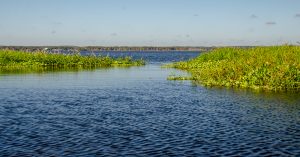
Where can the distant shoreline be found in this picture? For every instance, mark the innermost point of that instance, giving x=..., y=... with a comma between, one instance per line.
x=112, y=48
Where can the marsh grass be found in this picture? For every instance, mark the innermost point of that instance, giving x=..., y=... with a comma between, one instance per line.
x=173, y=77
x=17, y=60
x=275, y=68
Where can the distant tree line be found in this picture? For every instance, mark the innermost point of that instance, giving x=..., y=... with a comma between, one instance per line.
x=101, y=48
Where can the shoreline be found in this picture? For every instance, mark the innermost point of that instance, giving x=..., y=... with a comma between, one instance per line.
x=274, y=68
x=117, y=48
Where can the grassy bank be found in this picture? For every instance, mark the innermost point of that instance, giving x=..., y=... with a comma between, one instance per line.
x=274, y=68
x=10, y=60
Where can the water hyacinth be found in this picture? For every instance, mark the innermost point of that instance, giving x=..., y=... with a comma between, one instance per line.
x=275, y=68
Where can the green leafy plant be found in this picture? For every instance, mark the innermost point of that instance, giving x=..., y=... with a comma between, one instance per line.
x=14, y=60
x=275, y=68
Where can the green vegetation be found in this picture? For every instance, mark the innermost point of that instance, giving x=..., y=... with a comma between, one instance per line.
x=172, y=77
x=17, y=60
x=275, y=68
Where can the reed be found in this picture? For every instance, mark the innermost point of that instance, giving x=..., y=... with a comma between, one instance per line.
x=275, y=68
x=10, y=60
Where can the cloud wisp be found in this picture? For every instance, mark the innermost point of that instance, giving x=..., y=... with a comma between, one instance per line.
x=53, y=32
x=113, y=34
x=253, y=16
x=271, y=23
x=57, y=23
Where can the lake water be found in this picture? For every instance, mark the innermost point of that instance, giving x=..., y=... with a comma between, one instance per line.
x=137, y=111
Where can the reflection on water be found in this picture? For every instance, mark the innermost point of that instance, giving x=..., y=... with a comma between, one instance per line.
x=127, y=111
x=48, y=69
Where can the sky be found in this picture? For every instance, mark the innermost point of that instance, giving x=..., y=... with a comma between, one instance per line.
x=149, y=22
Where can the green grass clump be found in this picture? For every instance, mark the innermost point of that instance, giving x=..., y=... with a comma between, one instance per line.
x=182, y=78
x=275, y=68
x=14, y=60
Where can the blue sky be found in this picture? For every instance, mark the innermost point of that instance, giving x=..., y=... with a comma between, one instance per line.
x=149, y=22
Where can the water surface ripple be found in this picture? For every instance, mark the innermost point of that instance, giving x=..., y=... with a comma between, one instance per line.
x=137, y=112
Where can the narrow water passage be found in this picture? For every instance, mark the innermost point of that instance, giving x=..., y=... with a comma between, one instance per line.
x=129, y=111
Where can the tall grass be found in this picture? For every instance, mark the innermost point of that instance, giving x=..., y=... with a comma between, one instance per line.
x=18, y=60
x=275, y=68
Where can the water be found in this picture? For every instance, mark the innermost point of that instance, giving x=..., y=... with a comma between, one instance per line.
x=136, y=111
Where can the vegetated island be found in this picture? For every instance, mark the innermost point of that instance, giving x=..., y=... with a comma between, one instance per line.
x=274, y=68
x=16, y=60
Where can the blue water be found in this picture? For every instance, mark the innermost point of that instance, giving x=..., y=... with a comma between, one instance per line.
x=137, y=112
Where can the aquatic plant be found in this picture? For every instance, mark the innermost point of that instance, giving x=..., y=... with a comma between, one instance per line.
x=14, y=60
x=275, y=68
x=173, y=77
